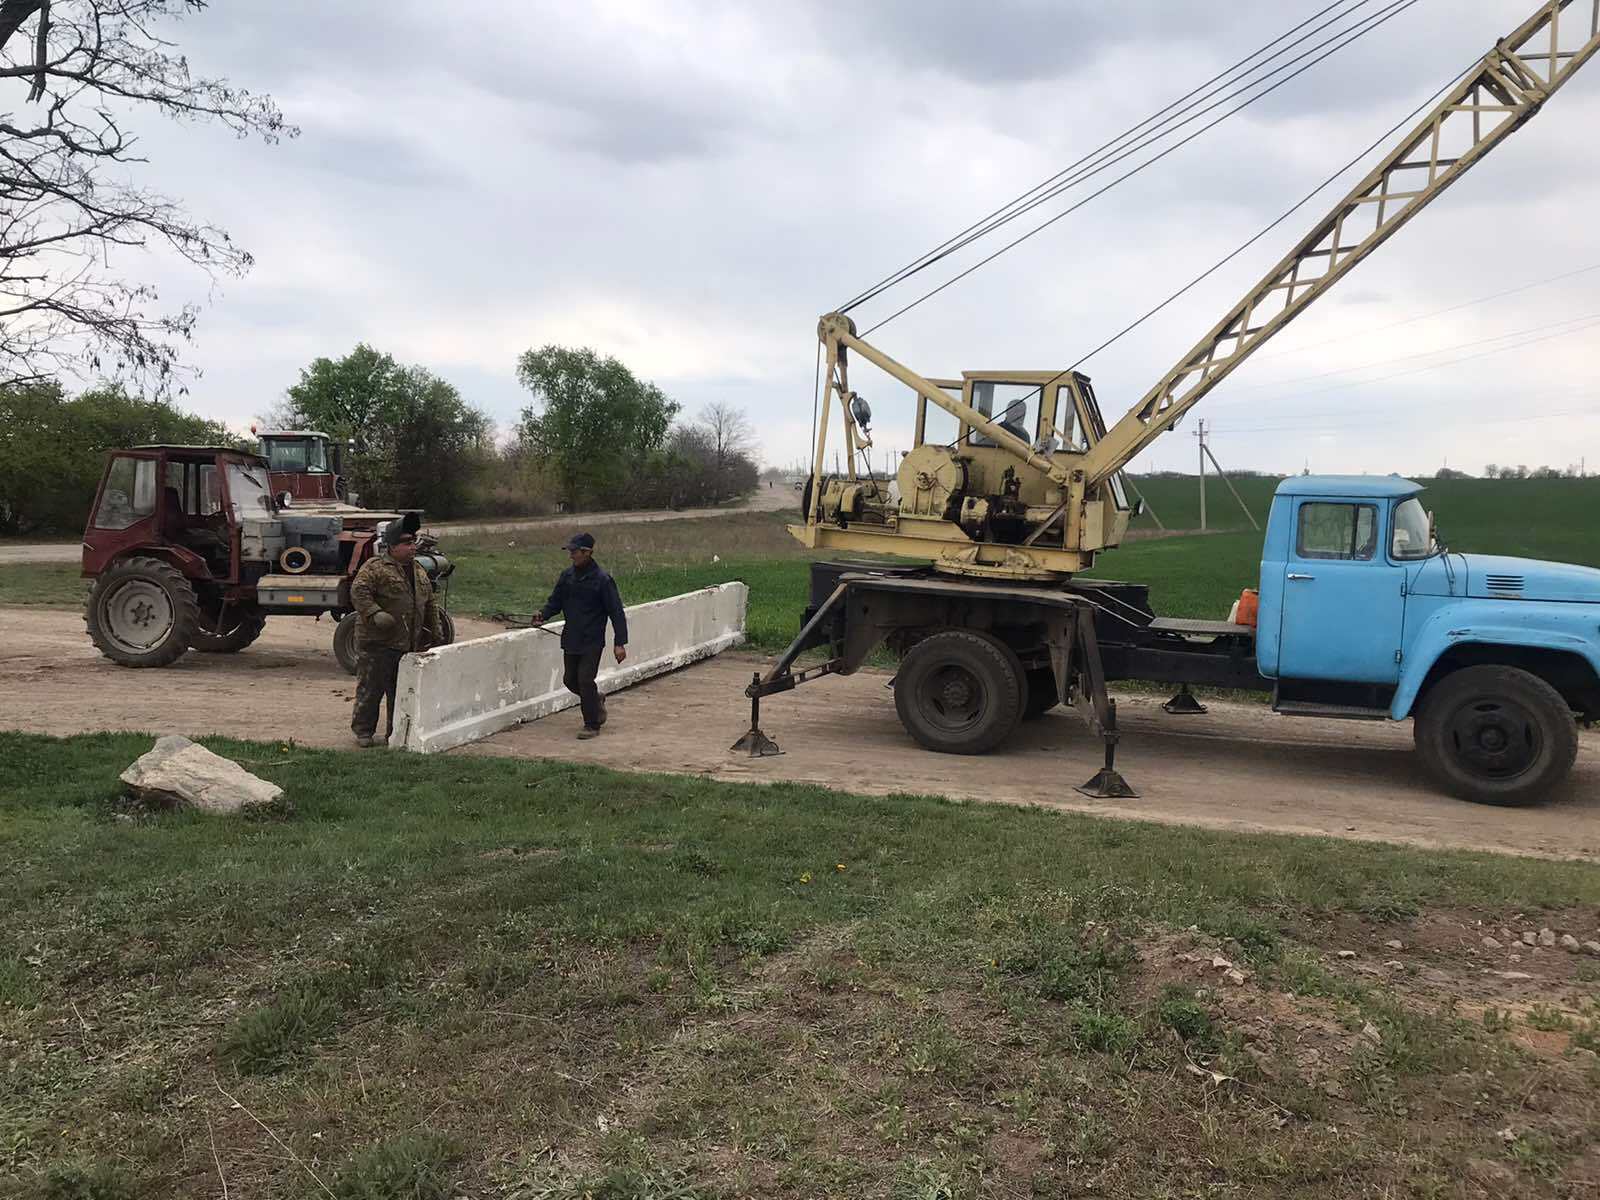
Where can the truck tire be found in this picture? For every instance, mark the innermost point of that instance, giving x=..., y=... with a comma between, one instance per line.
x=246, y=628
x=960, y=692
x=1042, y=693
x=344, y=643
x=1496, y=735
x=142, y=612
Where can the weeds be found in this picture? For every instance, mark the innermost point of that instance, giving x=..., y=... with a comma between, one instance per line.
x=410, y=1167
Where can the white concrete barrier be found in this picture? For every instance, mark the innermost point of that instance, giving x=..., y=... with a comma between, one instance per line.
x=457, y=694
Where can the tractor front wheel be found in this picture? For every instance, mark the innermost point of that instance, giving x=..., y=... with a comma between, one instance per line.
x=142, y=612
x=243, y=627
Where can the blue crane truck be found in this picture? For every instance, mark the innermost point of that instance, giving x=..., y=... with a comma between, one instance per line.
x=1363, y=614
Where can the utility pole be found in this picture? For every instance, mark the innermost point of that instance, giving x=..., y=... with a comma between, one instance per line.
x=1205, y=453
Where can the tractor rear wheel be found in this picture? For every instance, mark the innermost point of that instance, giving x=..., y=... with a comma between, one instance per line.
x=960, y=692
x=345, y=648
x=447, y=626
x=243, y=627
x=142, y=612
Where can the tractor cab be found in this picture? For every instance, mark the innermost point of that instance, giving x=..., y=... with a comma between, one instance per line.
x=306, y=464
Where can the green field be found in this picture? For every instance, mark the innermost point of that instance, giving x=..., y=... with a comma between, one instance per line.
x=1189, y=576
x=1538, y=518
x=471, y=977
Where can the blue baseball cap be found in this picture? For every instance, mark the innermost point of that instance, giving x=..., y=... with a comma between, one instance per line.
x=580, y=541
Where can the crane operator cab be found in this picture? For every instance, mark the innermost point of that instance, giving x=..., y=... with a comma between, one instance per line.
x=991, y=498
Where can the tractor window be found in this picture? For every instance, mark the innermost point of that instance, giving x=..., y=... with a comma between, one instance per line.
x=180, y=479
x=297, y=455
x=210, y=490
x=1014, y=406
x=1343, y=531
x=249, y=492
x=129, y=495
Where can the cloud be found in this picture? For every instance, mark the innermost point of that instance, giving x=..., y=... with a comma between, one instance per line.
x=687, y=184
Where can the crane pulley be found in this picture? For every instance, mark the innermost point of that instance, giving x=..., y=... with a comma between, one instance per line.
x=1033, y=490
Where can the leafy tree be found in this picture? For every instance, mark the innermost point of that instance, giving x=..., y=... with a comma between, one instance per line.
x=52, y=449
x=69, y=175
x=418, y=444
x=592, y=421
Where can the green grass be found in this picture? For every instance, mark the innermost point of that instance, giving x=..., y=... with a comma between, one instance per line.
x=451, y=976
x=49, y=585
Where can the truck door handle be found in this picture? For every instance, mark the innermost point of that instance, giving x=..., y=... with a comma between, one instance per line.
x=1296, y=575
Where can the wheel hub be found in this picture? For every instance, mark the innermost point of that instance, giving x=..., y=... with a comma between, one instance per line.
x=139, y=615
x=1495, y=738
x=954, y=697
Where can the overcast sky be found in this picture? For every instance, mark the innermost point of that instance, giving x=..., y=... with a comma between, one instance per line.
x=688, y=186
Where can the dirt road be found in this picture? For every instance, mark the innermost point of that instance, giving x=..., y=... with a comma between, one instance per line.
x=764, y=499
x=1238, y=767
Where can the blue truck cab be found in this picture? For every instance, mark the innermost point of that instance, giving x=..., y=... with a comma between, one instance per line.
x=1365, y=613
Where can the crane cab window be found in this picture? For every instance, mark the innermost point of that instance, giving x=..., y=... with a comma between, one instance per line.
x=1337, y=531
x=1013, y=406
x=935, y=426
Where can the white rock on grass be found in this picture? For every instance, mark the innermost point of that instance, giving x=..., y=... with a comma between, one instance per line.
x=1592, y=948
x=1547, y=937
x=1490, y=943
x=1570, y=943
x=177, y=771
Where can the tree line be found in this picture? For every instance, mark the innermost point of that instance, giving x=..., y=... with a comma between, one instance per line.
x=594, y=436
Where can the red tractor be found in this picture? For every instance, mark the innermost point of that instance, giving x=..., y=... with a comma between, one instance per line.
x=307, y=464
x=188, y=548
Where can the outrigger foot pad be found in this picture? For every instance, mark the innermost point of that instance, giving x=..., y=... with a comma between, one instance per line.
x=1183, y=704
x=1108, y=784
x=757, y=744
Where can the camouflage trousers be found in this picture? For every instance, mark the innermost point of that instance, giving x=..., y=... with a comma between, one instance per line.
x=375, y=684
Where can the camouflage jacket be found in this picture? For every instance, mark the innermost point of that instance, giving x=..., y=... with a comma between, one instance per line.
x=380, y=585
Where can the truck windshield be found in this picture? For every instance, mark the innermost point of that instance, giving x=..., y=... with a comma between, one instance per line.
x=1411, y=529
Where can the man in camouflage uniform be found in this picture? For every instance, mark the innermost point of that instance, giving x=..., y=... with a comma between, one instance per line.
x=396, y=613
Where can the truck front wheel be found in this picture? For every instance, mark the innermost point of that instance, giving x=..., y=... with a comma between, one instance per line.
x=1496, y=735
x=960, y=692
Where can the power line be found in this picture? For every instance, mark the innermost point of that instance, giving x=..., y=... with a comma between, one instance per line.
x=1438, y=312
x=1396, y=8
x=1450, y=363
x=1545, y=327
x=1163, y=116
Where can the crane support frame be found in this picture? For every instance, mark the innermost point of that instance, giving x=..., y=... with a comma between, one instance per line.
x=1491, y=101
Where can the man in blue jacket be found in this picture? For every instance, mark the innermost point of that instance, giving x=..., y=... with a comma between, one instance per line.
x=589, y=598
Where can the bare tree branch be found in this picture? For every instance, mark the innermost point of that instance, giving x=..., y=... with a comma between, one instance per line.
x=67, y=202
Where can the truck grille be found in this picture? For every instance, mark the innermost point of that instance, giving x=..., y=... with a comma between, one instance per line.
x=1503, y=583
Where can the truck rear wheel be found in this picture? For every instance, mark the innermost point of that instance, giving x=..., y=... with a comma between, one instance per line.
x=960, y=692
x=244, y=627
x=1496, y=735
x=142, y=612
